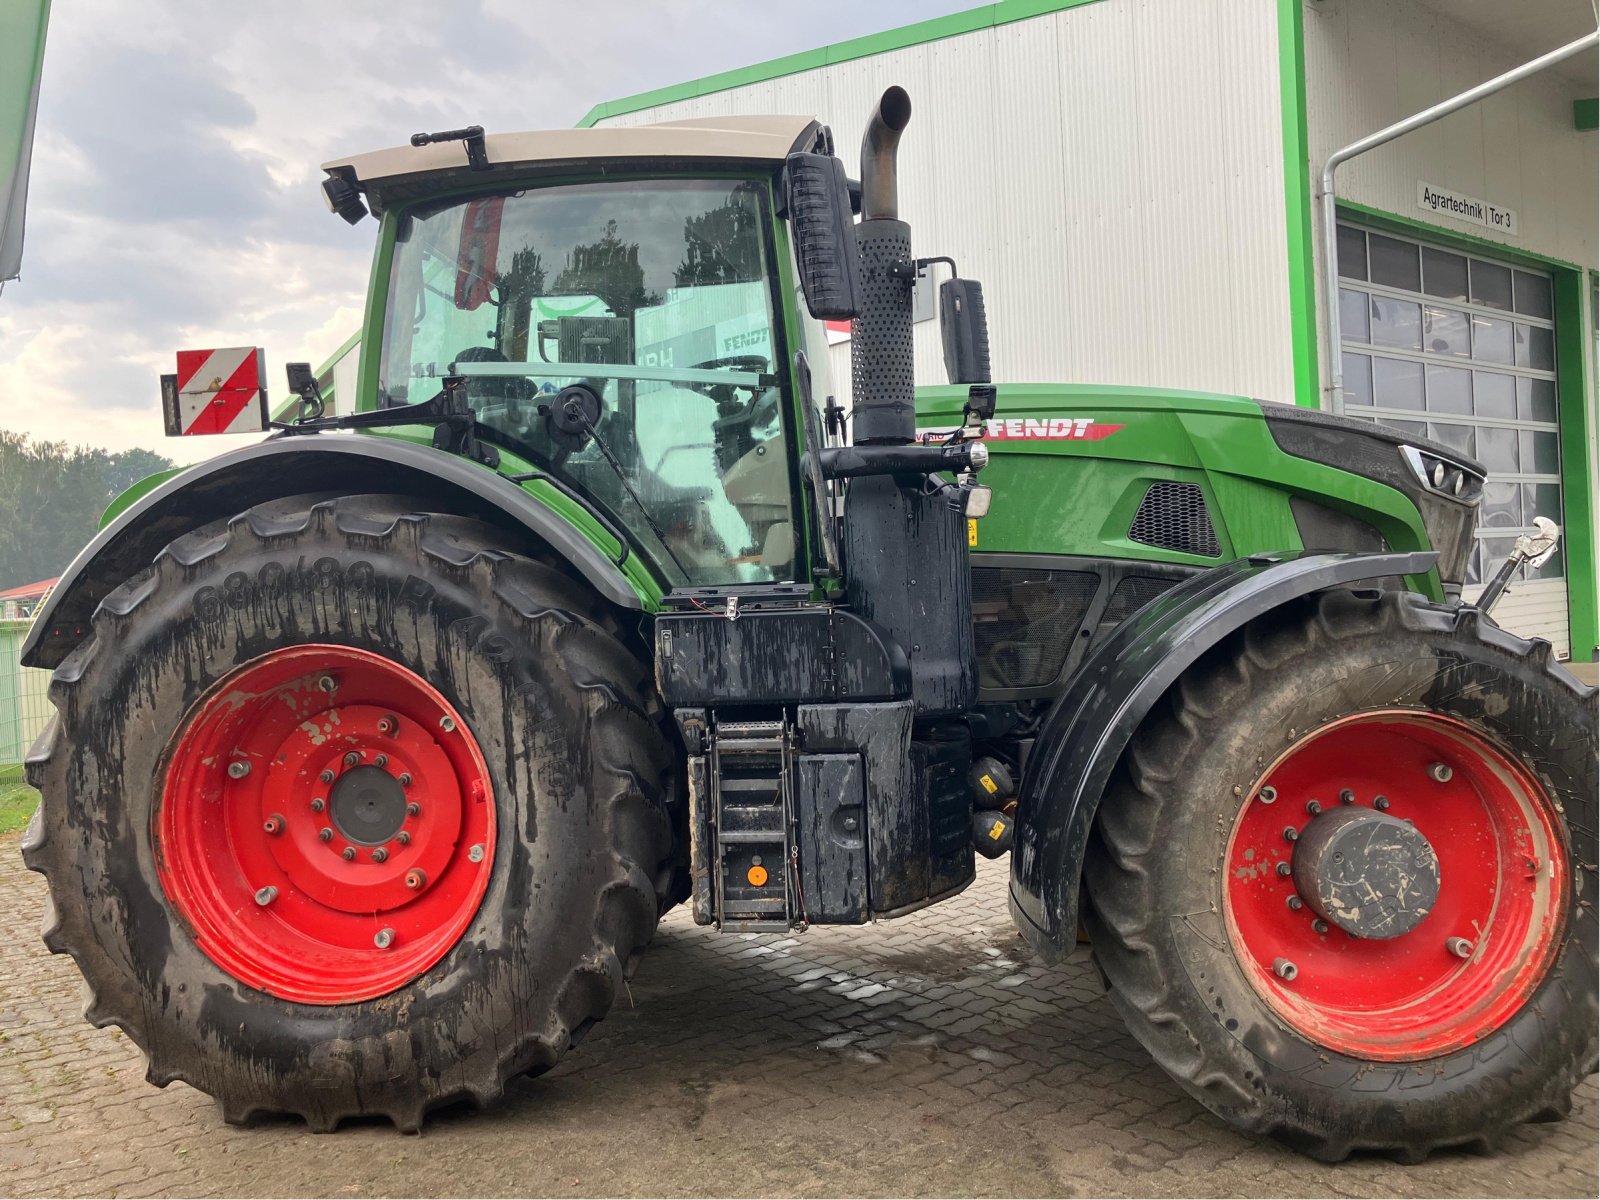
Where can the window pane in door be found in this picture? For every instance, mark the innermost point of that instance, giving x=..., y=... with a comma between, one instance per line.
x=1449, y=390
x=1397, y=383
x=1444, y=331
x=1491, y=340
x=1541, y=500
x=1491, y=284
x=1536, y=399
x=1394, y=263
x=1357, y=379
x=1493, y=395
x=1501, y=507
x=1497, y=449
x=1444, y=274
x=1352, y=253
x=1354, y=320
x=1533, y=295
x=1457, y=437
x=1541, y=452
x=1536, y=347
x=1397, y=323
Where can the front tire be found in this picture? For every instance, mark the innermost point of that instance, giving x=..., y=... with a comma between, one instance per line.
x=1355, y=739
x=349, y=811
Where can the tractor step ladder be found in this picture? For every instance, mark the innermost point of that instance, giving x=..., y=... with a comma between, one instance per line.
x=752, y=768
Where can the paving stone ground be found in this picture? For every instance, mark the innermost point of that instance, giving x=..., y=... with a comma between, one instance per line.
x=920, y=1056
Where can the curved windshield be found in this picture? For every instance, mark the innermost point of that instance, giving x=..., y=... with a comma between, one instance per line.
x=656, y=296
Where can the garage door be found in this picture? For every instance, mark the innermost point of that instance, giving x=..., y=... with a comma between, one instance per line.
x=1461, y=349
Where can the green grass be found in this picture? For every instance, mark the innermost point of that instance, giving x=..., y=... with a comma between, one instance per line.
x=17, y=799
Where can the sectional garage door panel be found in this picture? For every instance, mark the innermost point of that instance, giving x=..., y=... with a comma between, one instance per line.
x=1461, y=349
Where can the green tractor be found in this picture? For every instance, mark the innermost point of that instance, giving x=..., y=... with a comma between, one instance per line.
x=383, y=744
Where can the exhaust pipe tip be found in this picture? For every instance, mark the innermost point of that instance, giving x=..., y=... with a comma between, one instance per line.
x=879, y=186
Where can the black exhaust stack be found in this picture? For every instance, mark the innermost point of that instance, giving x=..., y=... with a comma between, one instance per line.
x=881, y=347
x=906, y=550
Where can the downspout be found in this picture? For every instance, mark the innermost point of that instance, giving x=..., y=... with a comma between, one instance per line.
x=1329, y=200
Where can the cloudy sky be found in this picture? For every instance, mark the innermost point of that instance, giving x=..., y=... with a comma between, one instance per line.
x=174, y=199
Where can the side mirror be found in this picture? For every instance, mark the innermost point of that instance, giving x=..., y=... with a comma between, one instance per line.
x=817, y=197
x=964, y=328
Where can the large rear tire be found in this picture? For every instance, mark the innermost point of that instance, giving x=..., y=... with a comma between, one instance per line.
x=349, y=811
x=1359, y=740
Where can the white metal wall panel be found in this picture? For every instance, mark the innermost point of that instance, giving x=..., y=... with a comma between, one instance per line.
x=1113, y=173
x=1372, y=62
x=1533, y=609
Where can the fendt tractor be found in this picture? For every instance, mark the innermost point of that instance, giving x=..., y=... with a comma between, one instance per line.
x=382, y=744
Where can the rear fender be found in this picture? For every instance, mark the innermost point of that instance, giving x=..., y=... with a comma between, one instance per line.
x=280, y=467
x=1085, y=733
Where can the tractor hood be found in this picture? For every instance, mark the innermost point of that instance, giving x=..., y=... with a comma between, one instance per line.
x=388, y=176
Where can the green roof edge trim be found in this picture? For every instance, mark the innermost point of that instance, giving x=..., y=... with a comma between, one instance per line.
x=1297, y=206
x=934, y=29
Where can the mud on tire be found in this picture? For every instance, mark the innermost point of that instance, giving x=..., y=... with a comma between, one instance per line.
x=1156, y=898
x=583, y=787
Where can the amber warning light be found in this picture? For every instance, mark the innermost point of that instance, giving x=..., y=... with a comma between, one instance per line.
x=216, y=391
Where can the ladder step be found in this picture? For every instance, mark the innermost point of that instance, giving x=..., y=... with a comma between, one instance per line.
x=749, y=745
x=764, y=786
x=735, y=925
x=760, y=837
x=757, y=904
x=772, y=729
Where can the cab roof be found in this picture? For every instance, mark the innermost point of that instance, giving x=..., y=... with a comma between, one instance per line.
x=406, y=171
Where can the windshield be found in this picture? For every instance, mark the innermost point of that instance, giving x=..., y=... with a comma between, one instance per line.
x=654, y=294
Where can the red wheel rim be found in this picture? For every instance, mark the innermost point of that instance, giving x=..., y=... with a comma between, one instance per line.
x=1502, y=874
x=326, y=827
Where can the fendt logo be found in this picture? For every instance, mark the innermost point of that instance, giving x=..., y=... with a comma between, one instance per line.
x=1029, y=429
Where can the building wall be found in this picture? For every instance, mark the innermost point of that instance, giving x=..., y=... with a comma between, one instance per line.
x=1370, y=63
x=1113, y=174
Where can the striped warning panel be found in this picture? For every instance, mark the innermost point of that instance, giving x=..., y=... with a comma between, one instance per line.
x=216, y=391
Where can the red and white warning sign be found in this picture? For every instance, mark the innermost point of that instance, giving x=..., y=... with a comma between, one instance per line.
x=216, y=391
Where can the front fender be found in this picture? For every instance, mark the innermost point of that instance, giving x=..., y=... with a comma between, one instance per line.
x=1085, y=733
x=294, y=466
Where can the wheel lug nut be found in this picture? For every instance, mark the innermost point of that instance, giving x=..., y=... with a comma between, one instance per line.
x=266, y=895
x=317, y=804
x=446, y=724
x=1267, y=795
x=381, y=761
x=1285, y=869
x=1440, y=773
x=1296, y=904
x=416, y=880
x=1347, y=797
x=1284, y=969
x=1290, y=833
x=380, y=855
x=475, y=854
x=1313, y=807
x=405, y=781
x=352, y=759
x=1459, y=946
x=328, y=684
x=1319, y=926
x=348, y=854
x=273, y=824
x=325, y=834
x=387, y=726
x=326, y=777
x=413, y=809
x=383, y=939
x=238, y=769
x=403, y=838
x=1381, y=803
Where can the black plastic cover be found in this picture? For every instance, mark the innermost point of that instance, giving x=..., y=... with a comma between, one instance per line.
x=817, y=200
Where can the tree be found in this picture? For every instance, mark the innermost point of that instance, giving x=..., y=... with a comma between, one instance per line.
x=608, y=268
x=722, y=245
x=52, y=496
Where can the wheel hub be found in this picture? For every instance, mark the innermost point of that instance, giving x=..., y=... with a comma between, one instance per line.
x=368, y=805
x=327, y=824
x=1372, y=875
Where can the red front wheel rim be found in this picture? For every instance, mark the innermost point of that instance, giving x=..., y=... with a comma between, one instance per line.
x=326, y=827
x=1487, y=936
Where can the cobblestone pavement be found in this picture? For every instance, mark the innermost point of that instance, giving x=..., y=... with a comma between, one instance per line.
x=920, y=1056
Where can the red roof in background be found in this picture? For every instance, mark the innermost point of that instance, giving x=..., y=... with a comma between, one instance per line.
x=29, y=591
